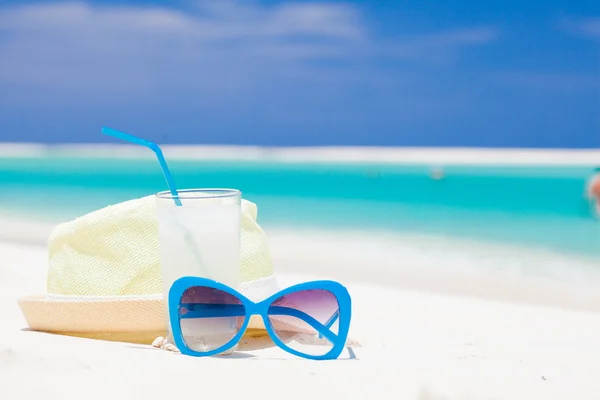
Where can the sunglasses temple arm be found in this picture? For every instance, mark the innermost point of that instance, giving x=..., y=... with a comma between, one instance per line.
x=292, y=312
x=331, y=321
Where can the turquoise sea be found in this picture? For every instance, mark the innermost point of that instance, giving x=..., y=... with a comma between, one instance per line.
x=535, y=206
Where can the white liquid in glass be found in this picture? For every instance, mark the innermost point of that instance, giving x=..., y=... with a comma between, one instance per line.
x=200, y=238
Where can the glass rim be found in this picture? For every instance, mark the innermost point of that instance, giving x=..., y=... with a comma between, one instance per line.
x=200, y=193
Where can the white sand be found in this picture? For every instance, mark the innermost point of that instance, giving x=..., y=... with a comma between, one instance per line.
x=417, y=346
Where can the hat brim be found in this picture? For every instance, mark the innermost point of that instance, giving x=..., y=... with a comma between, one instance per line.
x=128, y=320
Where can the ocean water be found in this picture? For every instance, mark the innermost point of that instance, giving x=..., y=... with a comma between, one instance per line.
x=532, y=208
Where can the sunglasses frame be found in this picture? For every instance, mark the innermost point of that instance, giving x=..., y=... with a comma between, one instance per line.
x=261, y=308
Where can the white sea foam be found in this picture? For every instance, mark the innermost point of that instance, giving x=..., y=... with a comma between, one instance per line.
x=459, y=266
x=406, y=155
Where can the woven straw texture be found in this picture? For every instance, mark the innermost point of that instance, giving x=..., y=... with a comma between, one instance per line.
x=114, y=251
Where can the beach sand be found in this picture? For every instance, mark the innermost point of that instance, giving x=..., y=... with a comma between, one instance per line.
x=423, y=337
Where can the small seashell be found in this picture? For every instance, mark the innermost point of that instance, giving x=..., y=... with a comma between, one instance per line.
x=158, y=342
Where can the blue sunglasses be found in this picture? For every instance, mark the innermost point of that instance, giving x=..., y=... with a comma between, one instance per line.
x=310, y=320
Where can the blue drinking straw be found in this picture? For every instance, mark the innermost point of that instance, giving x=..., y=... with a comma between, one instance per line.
x=163, y=165
x=152, y=146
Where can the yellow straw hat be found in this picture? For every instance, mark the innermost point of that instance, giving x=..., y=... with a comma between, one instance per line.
x=104, y=278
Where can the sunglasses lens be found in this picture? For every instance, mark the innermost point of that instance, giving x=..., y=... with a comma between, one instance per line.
x=306, y=321
x=209, y=318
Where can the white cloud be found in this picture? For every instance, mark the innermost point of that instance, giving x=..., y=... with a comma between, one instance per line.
x=209, y=23
x=216, y=50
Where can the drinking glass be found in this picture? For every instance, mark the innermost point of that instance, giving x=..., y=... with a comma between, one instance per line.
x=200, y=237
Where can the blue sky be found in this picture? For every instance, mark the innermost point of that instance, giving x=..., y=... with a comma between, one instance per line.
x=385, y=73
